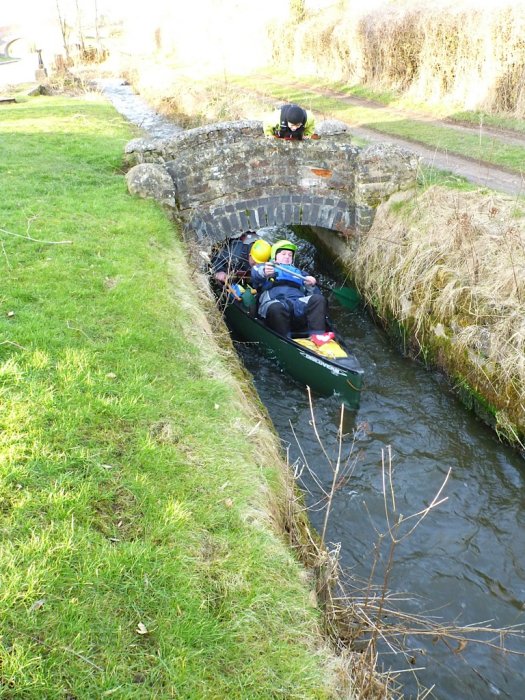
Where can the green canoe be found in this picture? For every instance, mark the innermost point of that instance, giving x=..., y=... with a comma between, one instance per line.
x=328, y=369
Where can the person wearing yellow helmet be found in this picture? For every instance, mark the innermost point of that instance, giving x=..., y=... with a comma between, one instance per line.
x=289, y=298
x=260, y=251
x=234, y=258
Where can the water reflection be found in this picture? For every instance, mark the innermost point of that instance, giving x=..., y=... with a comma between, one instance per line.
x=465, y=563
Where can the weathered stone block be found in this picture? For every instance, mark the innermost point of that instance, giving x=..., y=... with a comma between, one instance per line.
x=151, y=180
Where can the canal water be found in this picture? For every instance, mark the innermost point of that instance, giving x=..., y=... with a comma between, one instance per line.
x=464, y=563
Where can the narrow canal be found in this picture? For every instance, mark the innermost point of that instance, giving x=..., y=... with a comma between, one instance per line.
x=464, y=564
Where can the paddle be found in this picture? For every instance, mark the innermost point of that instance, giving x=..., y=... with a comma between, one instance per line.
x=347, y=296
x=285, y=269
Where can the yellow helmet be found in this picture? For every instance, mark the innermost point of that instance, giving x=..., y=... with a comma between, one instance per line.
x=260, y=251
x=282, y=245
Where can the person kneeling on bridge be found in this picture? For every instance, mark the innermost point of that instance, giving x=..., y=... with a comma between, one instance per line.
x=290, y=122
x=288, y=296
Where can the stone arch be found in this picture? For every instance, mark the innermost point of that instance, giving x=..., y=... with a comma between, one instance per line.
x=18, y=42
x=226, y=178
x=291, y=209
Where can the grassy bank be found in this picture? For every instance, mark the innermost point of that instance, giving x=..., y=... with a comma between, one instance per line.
x=445, y=269
x=142, y=496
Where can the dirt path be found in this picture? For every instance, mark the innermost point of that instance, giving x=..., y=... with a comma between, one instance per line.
x=472, y=169
x=475, y=171
x=504, y=135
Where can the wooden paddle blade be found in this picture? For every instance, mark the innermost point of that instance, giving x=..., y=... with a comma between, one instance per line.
x=347, y=296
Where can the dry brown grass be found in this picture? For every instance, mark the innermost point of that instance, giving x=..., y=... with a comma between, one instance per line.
x=468, y=54
x=451, y=265
x=192, y=102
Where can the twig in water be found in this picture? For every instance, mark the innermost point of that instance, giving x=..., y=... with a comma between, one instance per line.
x=11, y=342
x=335, y=477
x=366, y=619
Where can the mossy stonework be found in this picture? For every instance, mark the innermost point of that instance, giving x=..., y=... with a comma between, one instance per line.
x=444, y=274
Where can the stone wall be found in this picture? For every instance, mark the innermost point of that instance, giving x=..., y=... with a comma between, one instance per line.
x=225, y=178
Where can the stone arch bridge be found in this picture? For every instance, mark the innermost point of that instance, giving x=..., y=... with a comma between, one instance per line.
x=223, y=179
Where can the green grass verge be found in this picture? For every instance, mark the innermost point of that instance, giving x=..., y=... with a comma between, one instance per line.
x=480, y=119
x=396, y=100
x=137, y=556
x=485, y=146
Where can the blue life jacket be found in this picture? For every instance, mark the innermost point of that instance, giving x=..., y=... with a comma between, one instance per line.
x=284, y=276
x=282, y=287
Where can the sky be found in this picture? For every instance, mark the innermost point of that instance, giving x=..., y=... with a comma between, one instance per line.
x=203, y=31
x=34, y=15
x=14, y=11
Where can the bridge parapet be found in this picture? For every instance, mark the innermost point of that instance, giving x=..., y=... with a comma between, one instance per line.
x=228, y=177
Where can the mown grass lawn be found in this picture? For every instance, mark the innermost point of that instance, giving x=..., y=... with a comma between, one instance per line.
x=138, y=557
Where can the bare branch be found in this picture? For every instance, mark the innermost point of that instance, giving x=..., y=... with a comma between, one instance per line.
x=362, y=618
x=10, y=342
x=27, y=237
x=5, y=255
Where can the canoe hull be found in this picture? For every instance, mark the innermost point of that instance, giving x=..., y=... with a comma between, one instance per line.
x=341, y=376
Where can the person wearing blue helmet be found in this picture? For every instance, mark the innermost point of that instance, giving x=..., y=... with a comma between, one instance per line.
x=289, y=298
